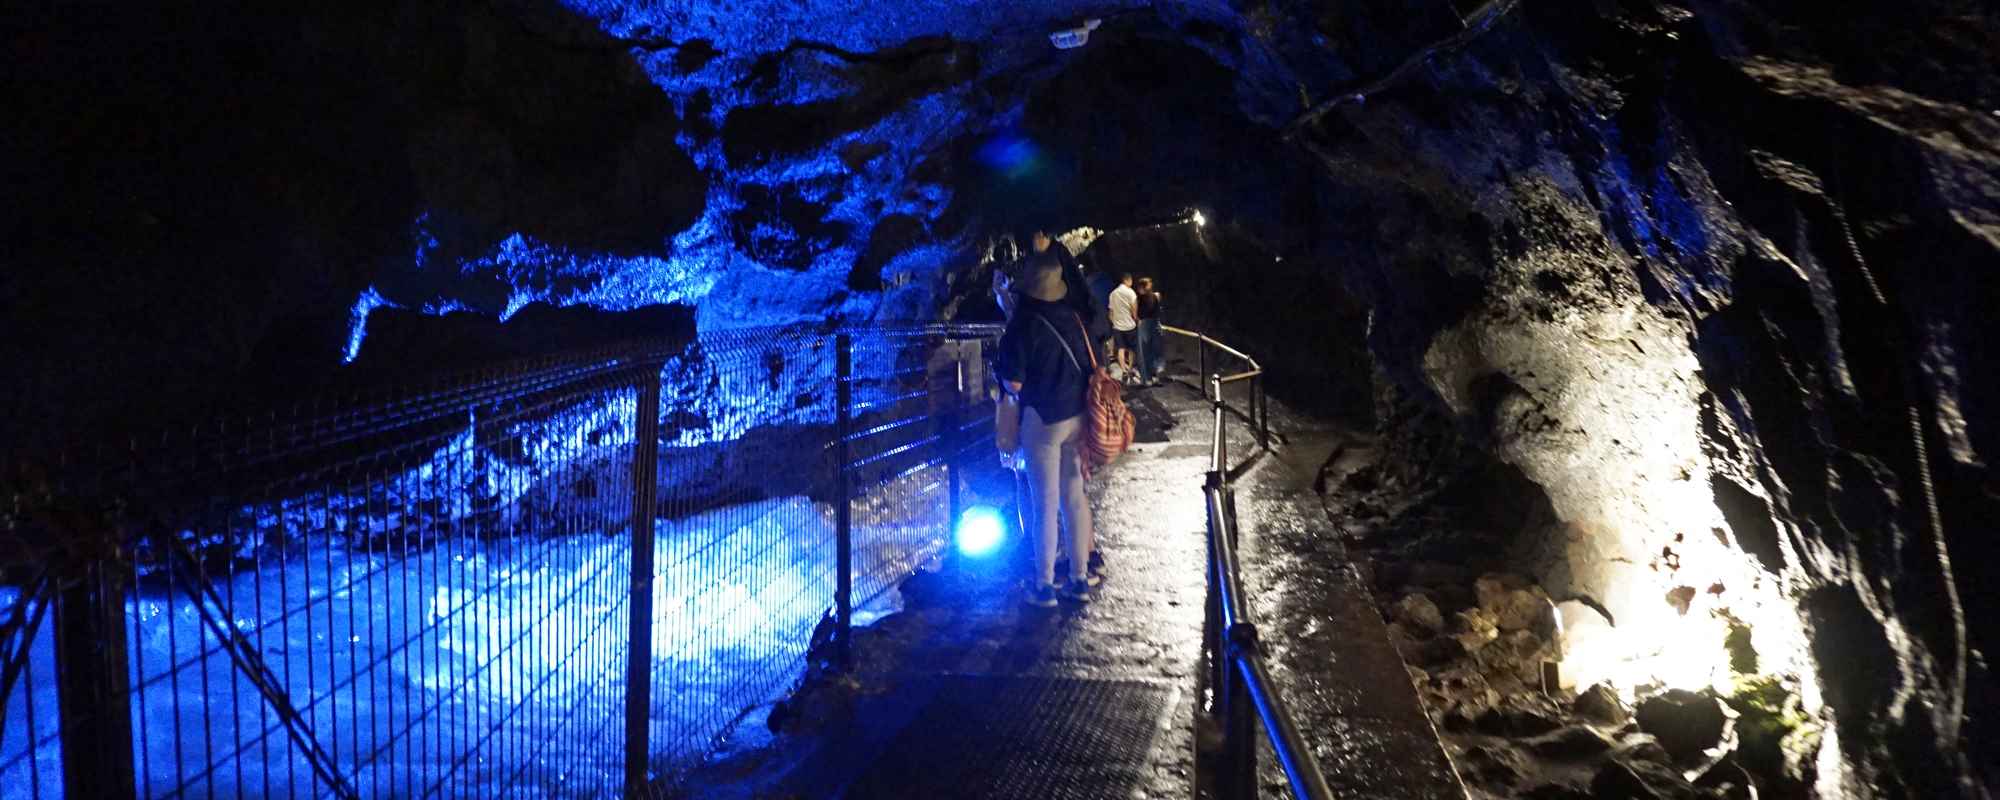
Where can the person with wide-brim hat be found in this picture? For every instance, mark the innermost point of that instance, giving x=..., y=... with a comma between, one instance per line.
x=1044, y=364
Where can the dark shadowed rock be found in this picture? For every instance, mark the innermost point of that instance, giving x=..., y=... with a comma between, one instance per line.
x=1574, y=743
x=1555, y=791
x=1419, y=613
x=1642, y=747
x=1495, y=765
x=1727, y=781
x=1686, y=723
x=1519, y=715
x=1618, y=780
x=1439, y=651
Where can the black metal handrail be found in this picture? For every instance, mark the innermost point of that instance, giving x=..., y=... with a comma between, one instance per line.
x=1235, y=653
x=1257, y=415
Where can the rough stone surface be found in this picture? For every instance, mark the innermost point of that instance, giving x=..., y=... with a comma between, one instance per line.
x=1638, y=780
x=1685, y=723
x=1570, y=744
x=1514, y=603
x=1417, y=611
x=1476, y=627
x=1696, y=294
x=1600, y=704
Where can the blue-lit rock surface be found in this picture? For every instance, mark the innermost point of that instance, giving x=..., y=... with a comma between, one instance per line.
x=1709, y=283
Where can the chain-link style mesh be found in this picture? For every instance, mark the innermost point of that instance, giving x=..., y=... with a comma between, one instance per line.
x=433, y=593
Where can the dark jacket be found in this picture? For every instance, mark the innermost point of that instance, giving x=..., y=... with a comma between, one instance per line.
x=1079, y=289
x=1149, y=305
x=1053, y=379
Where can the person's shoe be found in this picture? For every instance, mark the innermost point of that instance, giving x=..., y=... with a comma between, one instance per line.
x=1043, y=596
x=1077, y=591
x=1096, y=567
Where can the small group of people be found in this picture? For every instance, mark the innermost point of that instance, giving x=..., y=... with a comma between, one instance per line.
x=1060, y=329
x=1133, y=311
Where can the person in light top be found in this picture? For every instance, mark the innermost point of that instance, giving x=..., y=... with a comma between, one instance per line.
x=1122, y=309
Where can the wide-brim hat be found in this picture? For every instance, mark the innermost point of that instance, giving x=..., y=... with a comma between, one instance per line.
x=1044, y=280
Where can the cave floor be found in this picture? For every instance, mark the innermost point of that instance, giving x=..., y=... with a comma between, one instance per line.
x=1137, y=649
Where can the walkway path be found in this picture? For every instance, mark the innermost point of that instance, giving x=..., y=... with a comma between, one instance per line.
x=970, y=690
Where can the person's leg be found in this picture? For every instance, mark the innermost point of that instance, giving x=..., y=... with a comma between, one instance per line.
x=1159, y=350
x=1145, y=353
x=1044, y=449
x=1076, y=502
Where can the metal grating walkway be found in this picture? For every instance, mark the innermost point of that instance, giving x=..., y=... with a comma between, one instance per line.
x=1002, y=738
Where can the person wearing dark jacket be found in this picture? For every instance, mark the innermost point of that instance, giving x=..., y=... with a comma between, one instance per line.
x=1045, y=362
x=1152, y=349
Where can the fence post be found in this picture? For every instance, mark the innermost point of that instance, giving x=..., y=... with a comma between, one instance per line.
x=1260, y=413
x=1239, y=727
x=1213, y=642
x=94, y=693
x=639, y=664
x=1222, y=425
x=948, y=437
x=1264, y=412
x=1201, y=347
x=843, y=506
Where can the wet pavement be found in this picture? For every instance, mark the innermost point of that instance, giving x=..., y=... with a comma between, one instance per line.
x=1330, y=650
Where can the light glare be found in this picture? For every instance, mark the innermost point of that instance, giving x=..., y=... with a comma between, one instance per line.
x=979, y=531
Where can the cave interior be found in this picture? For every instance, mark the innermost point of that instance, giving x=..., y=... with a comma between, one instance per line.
x=1674, y=315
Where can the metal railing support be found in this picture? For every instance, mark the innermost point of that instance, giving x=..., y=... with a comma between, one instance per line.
x=1213, y=622
x=947, y=440
x=1241, y=683
x=1201, y=345
x=1308, y=783
x=93, y=688
x=843, y=505
x=1221, y=425
x=639, y=647
x=1260, y=420
x=1238, y=780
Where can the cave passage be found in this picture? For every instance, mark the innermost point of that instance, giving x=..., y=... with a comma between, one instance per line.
x=577, y=398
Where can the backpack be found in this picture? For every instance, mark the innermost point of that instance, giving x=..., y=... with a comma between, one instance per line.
x=1108, y=425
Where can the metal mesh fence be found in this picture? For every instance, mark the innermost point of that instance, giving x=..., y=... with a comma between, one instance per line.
x=439, y=593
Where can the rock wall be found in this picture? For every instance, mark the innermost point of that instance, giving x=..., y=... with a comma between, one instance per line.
x=1713, y=276
x=1707, y=276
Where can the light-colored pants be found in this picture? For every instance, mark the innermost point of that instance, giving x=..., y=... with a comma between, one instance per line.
x=1055, y=482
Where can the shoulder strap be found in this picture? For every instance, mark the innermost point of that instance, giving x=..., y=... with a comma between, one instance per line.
x=1065, y=343
x=1086, y=343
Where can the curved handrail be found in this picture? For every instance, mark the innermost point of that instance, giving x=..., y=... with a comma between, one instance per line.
x=1204, y=339
x=1232, y=643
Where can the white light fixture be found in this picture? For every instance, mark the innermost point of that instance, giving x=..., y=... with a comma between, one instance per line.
x=1198, y=219
x=1072, y=38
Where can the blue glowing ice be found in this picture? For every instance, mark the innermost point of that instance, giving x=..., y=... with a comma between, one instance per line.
x=357, y=321
x=512, y=651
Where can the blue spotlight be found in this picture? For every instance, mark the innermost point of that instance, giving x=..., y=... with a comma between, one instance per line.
x=980, y=531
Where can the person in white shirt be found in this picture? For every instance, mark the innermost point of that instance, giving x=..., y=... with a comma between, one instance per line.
x=1123, y=312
